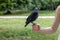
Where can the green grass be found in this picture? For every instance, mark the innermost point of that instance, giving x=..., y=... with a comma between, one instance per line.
x=41, y=13
x=13, y=29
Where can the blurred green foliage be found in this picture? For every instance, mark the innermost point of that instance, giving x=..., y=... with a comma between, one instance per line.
x=28, y=4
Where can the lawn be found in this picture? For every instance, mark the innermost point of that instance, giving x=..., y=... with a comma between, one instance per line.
x=41, y=13
x=13, y=29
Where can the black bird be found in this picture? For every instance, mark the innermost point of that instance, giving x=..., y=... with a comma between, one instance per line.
x=32, y=17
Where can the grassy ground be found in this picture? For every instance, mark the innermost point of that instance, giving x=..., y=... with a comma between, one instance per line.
x=41, y=13
x=13, y=29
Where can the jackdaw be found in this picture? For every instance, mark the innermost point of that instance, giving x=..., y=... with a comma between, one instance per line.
x=32, y=17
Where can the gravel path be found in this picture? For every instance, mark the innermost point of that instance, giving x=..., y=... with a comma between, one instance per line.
x=26, y=17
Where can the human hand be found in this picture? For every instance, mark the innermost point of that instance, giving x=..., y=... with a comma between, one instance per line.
x=35, y=28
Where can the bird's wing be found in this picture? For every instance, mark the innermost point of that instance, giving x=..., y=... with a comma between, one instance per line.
x=30, y=16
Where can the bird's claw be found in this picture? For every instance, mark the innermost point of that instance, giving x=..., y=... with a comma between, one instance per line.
x=33, y=23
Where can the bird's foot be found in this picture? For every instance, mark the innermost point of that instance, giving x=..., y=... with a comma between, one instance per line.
x=33, y=23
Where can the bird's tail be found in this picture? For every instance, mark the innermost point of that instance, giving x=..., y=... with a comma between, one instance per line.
x=26, y=23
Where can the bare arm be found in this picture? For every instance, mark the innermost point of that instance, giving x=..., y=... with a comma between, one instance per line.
x=54, y=25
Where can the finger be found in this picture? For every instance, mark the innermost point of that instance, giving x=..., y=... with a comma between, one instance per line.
x=33, y=24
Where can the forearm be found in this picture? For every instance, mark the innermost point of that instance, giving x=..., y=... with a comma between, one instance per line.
x=51, y=29
x=47, y=30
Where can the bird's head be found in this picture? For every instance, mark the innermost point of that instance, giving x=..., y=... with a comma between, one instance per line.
x=36, y=9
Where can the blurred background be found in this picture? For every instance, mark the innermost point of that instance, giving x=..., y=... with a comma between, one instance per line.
x=13, y=28
x=23, y=6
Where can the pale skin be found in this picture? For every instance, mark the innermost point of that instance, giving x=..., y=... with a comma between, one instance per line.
x=54, y=26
